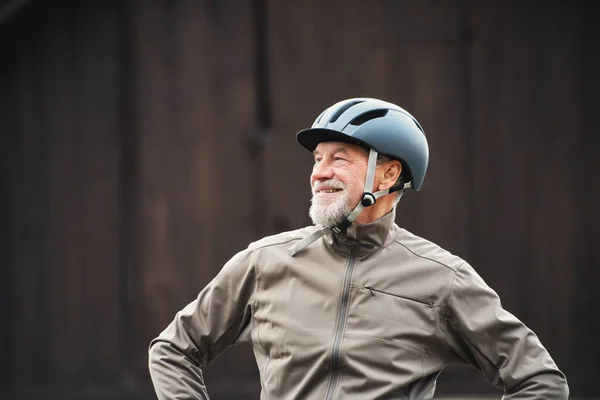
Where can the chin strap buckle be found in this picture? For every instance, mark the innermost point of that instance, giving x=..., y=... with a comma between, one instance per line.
x=342, y=226
x=368, y=199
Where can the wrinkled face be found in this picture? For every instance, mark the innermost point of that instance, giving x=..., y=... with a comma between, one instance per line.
x=337, y=181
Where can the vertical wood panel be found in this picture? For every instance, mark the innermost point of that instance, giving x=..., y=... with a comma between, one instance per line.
x=191, y=153
x=7, y=126
x=63, y=311
x=32, y=332
x=503, y=155
x=128, y=187
x=195, y=108
x=154, y=273
x=234, y=173
x=526, y=105
x=558, y=117
x=26, y=215
x=235, y=116
x=583, y=266
x=60, y=205
x=96, y=119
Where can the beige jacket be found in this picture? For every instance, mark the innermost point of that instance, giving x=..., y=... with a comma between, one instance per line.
x=373, y=313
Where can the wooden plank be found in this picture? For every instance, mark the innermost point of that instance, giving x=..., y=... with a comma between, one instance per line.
x=7, y=139
x=501, y=123
x=95, y=42
x=60, y=193
x=63, y=309
x=128, y=187
x=235, y=121
x=191, y=150
x=195, y=106
x=582, y=266
x=154, y=276
x=557, y=116
x=22, y=262
x=512, y=150
x=28, y=193
x=528, y=142
x=226, y=189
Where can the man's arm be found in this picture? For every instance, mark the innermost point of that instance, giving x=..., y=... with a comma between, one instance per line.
x=201, y=331
x=496, y=342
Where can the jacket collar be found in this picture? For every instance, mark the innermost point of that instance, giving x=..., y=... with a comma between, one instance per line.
x=371, y=237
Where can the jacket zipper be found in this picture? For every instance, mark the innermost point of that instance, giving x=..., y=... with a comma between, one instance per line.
x=341, y=321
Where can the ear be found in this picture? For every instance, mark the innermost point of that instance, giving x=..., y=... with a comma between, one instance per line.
x=391, y=171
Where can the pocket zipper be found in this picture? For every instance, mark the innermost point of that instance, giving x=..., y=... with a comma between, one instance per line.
x=374, y=291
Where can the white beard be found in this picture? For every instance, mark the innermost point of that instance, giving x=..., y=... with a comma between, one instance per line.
x=327, y=212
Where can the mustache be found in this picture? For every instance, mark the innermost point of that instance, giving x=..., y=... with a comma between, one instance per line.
x=330, y=183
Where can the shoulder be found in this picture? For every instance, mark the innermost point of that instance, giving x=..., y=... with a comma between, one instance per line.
x=419, y=247
x=272, y=246
x=284, y=239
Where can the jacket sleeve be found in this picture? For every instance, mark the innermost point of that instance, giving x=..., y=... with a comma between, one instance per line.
x=217, y=319
x=491, y=339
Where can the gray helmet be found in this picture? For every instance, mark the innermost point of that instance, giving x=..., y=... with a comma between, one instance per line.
x=375, y=124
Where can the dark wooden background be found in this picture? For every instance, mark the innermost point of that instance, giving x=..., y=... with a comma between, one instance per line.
x=143, y=143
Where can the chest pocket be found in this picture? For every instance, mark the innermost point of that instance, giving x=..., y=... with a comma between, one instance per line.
x=392, y=319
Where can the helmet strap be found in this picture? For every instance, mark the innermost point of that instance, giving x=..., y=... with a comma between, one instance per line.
x=401, y=186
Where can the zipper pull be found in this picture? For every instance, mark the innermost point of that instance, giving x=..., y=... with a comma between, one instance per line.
x=370, y=289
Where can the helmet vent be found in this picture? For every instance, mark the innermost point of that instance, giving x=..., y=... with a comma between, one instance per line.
x=367, y=116
x=320, y=116
x=343, y=108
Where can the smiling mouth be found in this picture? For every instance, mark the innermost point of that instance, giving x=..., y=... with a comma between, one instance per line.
x=329, y=191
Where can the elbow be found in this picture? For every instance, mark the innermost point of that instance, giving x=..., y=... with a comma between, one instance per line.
x=163, y=352
x=153, y=346
x=158, y=352
x=154, y=354
x=548, y=386
x=557, y=387
x=562, y=388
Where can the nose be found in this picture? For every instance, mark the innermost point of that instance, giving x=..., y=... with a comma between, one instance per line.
x=321, y=171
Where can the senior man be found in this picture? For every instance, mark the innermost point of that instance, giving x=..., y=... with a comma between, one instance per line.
x=354, y=307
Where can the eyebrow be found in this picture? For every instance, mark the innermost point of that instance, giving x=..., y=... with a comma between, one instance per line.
x=341, y=149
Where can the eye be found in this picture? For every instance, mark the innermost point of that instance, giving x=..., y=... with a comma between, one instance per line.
x=318, y=159
x=338, y=158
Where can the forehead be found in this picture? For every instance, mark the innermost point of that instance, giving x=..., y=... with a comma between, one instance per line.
x=334, y=147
